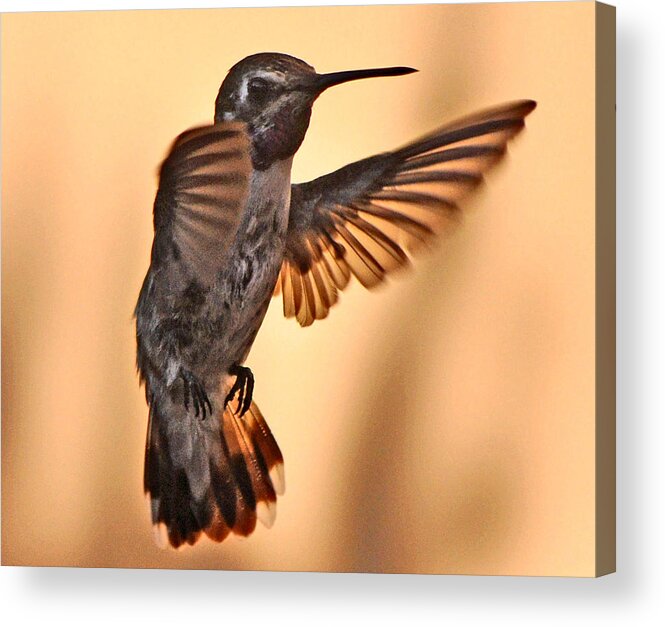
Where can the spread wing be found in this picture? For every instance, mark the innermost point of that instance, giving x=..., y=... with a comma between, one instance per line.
x=363, y=219
x=203, y=188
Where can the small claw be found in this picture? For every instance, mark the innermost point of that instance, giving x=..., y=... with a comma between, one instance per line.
x=229, y=396
x=248, y=395
x=241, y=398
x=185, y=387
x=204, y=400
x=244, y=385
x=194, y=390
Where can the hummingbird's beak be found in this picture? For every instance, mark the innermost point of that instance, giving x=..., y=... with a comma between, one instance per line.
x=323, y=81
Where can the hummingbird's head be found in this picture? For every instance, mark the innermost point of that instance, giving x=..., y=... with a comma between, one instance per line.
x=273, y=94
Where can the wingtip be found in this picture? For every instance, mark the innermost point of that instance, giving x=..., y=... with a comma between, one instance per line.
x=519, y=108
x=530, y=105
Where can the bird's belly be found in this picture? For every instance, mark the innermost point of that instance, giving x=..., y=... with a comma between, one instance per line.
x=249, y=280
x=229, y=328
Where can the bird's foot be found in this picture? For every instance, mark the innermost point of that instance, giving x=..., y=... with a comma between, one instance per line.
x=244, y=386
x=195, y=390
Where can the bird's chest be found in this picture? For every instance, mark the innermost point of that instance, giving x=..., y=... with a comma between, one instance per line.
x=259, y=246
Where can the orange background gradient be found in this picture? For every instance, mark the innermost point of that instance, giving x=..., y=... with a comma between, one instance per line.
x=444, y=423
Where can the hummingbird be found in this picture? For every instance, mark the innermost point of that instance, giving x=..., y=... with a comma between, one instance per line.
x=230, y=231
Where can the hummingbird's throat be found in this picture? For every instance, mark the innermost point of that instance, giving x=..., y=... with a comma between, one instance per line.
x=279, y=138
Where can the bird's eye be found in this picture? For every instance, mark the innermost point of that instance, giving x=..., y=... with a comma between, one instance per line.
x=258, y=89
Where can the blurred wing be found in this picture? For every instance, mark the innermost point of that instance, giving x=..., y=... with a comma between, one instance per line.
x=361, y=219
x=203, y=189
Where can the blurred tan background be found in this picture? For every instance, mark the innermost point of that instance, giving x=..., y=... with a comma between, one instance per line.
x=444, y=423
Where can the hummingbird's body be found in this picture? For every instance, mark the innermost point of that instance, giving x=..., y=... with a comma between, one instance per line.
x=223, y=318
x=254, y=263
x=231, y=230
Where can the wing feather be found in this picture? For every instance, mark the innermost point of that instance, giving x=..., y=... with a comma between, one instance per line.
x=203, y=189
x=362, y=219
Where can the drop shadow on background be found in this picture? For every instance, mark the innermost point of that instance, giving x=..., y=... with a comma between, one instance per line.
x=211, y=587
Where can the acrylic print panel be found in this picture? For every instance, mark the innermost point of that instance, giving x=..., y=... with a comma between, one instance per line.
x=457, y=419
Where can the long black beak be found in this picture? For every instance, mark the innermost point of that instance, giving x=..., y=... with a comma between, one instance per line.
x=323, y=81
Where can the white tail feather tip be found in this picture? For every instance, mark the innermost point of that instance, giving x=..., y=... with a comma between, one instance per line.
x=277, y=478
x=266, y=512
x=160, y=534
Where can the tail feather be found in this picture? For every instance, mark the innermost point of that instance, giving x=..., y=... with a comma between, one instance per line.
x=264, y=443
x=216, y=476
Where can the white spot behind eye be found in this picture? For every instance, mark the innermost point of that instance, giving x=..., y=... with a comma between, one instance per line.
x=242, y=92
